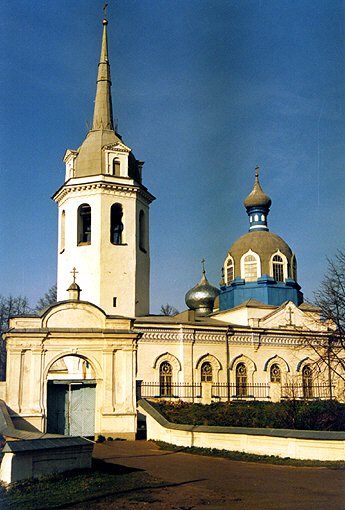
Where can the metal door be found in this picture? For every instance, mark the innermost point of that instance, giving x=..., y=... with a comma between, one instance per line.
x=71, y=408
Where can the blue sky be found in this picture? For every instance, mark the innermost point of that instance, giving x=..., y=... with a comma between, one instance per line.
x=203, y=91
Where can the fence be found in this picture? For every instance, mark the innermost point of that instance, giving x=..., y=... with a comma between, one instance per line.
x=168, y=390
x=307, y=392
x=241, y=391
x=226, y=392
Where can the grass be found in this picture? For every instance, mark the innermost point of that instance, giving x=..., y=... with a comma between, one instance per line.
x=248, y=457
x=78, y=487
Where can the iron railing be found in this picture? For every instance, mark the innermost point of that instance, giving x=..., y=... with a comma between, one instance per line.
x=234, y=391
x=169, y=390
x=307, y=392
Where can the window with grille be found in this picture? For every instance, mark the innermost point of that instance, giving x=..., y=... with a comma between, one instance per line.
x=206, y=372
x=278, y=268
x=241, y=380
x=250, y=268
x=307, y=382
x=165, y=379
x=275, y=373
x=229, y=271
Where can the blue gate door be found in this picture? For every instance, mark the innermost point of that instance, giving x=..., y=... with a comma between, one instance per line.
x=71, y=408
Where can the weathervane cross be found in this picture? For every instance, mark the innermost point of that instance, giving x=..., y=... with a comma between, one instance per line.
x=105, y=10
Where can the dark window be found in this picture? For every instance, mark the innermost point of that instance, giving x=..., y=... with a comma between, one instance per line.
x=142, y=231
x=116, y=167
x=307, y=382
x=62, y=231
x=275, y=373
x=84, y=224
x=241, y=380
x=165, y=379
x=278, y=268
x=206, y=372
x=116, y=225
x=294, y=267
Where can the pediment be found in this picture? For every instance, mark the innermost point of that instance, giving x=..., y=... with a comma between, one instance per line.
x=289, y=315
x=117, y=147
x=75, y=315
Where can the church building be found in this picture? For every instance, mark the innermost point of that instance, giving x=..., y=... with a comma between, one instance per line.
x=80, y=366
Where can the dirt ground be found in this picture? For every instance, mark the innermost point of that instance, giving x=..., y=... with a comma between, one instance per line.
x=195, y=482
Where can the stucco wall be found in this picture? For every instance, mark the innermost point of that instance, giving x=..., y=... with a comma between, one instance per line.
x=282, y=443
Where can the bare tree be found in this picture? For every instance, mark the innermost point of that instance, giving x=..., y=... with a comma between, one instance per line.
x=329, y=348
x=49, y=298
x=9, y=307
x=168, y=310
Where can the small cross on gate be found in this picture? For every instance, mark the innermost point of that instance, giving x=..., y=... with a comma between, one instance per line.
x=74, y=272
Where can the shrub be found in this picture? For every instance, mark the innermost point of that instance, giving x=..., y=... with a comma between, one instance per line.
x=290, y=414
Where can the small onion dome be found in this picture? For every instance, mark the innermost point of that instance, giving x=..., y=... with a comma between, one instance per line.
x=257, y=198
x=201, y=297
x=74, y=291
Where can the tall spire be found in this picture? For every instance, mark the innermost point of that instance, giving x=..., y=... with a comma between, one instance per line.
x=103, y=112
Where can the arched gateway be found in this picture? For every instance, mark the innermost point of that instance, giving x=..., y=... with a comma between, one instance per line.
x=71, y=396
x=72, y=371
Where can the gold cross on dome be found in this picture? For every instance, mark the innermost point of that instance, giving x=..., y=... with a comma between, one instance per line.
x=74, y=272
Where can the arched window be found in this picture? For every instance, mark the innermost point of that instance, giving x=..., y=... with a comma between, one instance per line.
x=278, y=268
x=275, y=373
x=84, y=224
x=165, y=379
x=206, y=372
x=307, y=381
x=241, y=380
x=62, y=231
x=294, y=267
x=116, y=167
x=142, y=231
x=250, y=268
x=116, y=225
x=229, y=270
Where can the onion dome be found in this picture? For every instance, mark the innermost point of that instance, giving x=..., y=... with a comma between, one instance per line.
x=257, y=197
x=258, y=205
x=202, y=296
x=74, y=290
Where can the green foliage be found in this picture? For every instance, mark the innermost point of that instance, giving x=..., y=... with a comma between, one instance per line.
x=290, y=414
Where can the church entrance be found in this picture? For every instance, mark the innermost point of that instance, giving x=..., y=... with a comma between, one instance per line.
x=71, y=397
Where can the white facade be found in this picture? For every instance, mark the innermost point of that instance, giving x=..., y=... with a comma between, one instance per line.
x=112, y=275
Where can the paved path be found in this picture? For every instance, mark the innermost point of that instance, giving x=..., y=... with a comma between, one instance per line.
x=218, y=483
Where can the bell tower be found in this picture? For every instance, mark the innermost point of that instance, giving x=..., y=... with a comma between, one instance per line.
x=103, y=212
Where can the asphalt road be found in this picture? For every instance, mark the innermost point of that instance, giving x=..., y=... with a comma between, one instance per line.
x=196, y=482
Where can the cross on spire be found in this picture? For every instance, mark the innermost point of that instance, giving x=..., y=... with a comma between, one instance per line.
x=105, y=10
x=203, y=266
x=74, y=272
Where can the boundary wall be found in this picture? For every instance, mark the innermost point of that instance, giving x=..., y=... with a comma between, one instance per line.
x=296, y=444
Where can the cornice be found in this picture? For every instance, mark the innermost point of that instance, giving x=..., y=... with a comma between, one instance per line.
x=111, y=188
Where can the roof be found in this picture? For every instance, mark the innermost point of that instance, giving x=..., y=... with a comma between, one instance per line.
x=44, y=444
